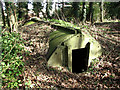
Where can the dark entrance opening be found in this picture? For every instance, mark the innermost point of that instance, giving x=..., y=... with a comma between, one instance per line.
x=80, y=59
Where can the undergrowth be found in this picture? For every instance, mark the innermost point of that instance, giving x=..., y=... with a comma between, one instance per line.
x=12, y=63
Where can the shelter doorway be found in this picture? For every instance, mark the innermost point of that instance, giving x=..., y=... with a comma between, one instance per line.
x=80, y=59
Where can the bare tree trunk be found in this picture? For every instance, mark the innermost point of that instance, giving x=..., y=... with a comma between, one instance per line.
x=3, y=15
x=84, y=13
x=8, y=18
x=101, y=11
x=62, y=9
x=56, y=13
x=75, y=6
x=44, y=15
x=11, y=16
x=55, y=6
x=48, y=9
x=15, y=16
x=90, y=14
x=90, y=11
x=62, y=6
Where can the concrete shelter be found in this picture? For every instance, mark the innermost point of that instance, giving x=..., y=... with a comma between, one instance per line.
x=72, y=48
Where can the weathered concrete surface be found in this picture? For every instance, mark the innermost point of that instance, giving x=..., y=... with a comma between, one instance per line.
x=73, y=41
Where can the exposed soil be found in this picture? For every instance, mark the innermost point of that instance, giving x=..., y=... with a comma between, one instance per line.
x=102, y=74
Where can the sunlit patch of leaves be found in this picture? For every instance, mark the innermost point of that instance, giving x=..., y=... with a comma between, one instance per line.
x=29, y=23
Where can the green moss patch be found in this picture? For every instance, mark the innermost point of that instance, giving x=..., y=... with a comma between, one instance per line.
x=29, y=23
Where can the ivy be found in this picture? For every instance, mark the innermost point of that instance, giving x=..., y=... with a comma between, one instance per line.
x=12, y=63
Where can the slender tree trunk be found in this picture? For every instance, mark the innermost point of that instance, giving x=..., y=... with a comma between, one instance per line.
x=8, y=18
x=44, y=15
x=37, y=14
x=55, y=6
x=14, y=9
x=90, y=11
x=37, y=9
x=62, y=6
x=56, y=13
x=11, y=16
x=75, y=9
x=56, y=16
x=47, y=9
x=27, y=16
x=90, y=14
x=101, y=11
x=3, y=15
x=62, y=11
x=84, y=13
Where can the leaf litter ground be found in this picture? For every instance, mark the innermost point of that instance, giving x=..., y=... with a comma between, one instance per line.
x=105, y=73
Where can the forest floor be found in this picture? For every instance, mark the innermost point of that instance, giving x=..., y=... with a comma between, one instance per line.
x=102, y=74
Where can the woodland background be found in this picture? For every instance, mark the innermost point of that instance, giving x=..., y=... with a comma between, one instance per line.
x=25, y=43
